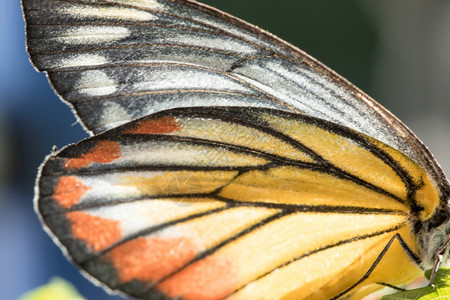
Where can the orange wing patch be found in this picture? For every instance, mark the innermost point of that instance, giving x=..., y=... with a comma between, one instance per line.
x=97, y=232
x=68, y=191
x=150, y=259
x=156, y=126
x=104, y=152
x=210, y=278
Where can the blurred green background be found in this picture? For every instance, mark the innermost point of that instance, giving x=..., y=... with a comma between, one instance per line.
x=396, y=51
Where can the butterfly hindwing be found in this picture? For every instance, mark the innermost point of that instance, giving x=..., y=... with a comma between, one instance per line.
x=245, y=203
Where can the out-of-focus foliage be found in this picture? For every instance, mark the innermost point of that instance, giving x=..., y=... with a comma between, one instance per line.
x=56, y=289
x=439, y=290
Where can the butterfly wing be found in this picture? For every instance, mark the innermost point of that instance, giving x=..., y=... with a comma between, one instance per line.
x=115, y=61
x=207, y=203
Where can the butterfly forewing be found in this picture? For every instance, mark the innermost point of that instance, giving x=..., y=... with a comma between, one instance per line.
x=116, y=61
x=192, y=203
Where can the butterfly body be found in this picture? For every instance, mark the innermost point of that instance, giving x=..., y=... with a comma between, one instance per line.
x=225, y=163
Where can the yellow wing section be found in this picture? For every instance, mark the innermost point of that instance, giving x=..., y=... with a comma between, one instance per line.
x=236, y=203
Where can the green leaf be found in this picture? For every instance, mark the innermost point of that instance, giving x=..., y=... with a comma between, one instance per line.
x=440, y=290
x=56, y=289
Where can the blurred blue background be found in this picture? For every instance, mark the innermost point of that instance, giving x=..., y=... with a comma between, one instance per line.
x=398, y=52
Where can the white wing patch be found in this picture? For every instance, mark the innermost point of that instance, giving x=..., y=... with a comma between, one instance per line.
x=183, y=78
x=114, y=113
x=109, y=12
x=93, y=35
x=214, y=42
x=95, y=83
x=151, y=4
x=81, y=60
